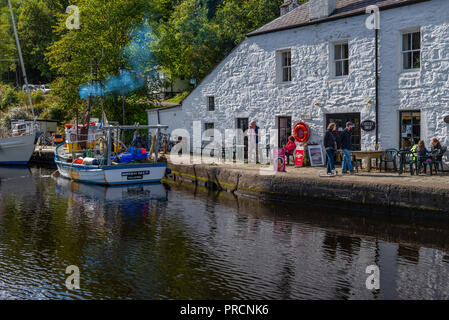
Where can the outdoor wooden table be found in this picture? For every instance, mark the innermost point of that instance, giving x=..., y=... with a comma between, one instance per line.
x=367, y=155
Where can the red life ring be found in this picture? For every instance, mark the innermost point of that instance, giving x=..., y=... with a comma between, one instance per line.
x=301, y=132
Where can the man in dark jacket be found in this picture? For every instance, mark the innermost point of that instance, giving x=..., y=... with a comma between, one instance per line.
x=330, y=144
x=345, y=141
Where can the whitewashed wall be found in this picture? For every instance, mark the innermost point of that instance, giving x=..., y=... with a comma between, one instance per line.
x=426, y=90
x=244, y=83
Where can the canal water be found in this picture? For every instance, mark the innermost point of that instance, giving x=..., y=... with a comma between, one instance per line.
x=177, y=242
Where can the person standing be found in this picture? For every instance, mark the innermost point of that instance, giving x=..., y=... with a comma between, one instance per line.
x=437, y=149
x=346, y=146
x=330, y=144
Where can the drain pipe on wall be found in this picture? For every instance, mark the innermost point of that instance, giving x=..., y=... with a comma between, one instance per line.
x=376, y=30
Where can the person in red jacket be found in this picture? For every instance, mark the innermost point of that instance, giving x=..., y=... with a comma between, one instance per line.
x=290, y=146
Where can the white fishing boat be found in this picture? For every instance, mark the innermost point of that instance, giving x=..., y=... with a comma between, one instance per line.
x=16, y=150
x=106, y=168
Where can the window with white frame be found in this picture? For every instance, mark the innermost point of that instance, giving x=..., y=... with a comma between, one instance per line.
x=340, y=64
x=284, y=59
x=411, y=50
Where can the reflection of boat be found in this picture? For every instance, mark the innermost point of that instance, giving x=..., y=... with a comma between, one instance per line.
x=16, y=181
x=16, y=150
x=152, y=191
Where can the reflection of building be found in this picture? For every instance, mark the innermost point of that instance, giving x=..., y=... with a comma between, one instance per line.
x=318, y=66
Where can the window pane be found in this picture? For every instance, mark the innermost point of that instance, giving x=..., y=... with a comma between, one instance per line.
x=337, y=52
x=346, y=67
x=416, y=59
x=407, y=60
x=285, y=74
x=289, y=74
x=406, y=42
x=211, y=103
x=416, y=43
x=338, y=68
x=286, y=59
x=345, y=51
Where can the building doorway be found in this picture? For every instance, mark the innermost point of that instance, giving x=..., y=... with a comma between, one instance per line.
x=243, y=123
x=409, y=128
x=340, y=120
x=284, y=130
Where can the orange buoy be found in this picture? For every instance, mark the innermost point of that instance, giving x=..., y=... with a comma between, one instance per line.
x=301, y=132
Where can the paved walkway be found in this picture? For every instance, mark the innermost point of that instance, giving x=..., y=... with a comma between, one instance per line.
x=441, y=180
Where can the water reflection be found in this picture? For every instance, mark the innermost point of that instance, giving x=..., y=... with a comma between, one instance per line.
x=177, y=242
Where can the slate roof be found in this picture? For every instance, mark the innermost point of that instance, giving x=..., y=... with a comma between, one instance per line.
x=345, y=8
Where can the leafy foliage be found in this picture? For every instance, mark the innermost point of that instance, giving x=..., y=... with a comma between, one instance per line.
x=182, y=38
x=8, y=97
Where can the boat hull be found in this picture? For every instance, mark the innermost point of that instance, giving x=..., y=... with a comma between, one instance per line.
x=113, y=175
x=16, y=150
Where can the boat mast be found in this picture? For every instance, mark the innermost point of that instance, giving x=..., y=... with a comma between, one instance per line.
x=21, y=59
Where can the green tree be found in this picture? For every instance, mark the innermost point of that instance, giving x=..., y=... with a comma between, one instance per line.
x=7, y=44
x=200, y=33
x=105, y=31
x=237, y=18
x=35, y=33
x=189, y=42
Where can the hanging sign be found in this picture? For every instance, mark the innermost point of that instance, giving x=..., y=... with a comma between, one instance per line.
x=368, y=125
x=446, y=119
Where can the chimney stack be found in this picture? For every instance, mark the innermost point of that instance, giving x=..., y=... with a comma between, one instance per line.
x=319, y=9
x=288, y=6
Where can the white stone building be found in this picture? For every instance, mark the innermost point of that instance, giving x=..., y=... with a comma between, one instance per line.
x=316, y=63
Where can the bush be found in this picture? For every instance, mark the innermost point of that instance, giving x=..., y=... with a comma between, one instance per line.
x=8, y=97
x=37, y=97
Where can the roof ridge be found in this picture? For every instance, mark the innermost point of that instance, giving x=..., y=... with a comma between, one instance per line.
x=299, y=16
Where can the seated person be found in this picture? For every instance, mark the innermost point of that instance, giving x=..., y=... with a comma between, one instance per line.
x=406, y=144
x=436, y=149
x=414, y=149
x=423, y=154
x=290, y=146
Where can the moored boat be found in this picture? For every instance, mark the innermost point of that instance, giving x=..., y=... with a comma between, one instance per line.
x=16, y=150
x=105, y=167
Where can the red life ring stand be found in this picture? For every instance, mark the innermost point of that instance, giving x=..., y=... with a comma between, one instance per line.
x=301, y=132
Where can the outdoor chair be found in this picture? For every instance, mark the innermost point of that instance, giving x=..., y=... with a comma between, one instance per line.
x=423, y=162
x=389, y=156
x=406, y=158
x=356, y=162
x=288, y=158
x=439, y=162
